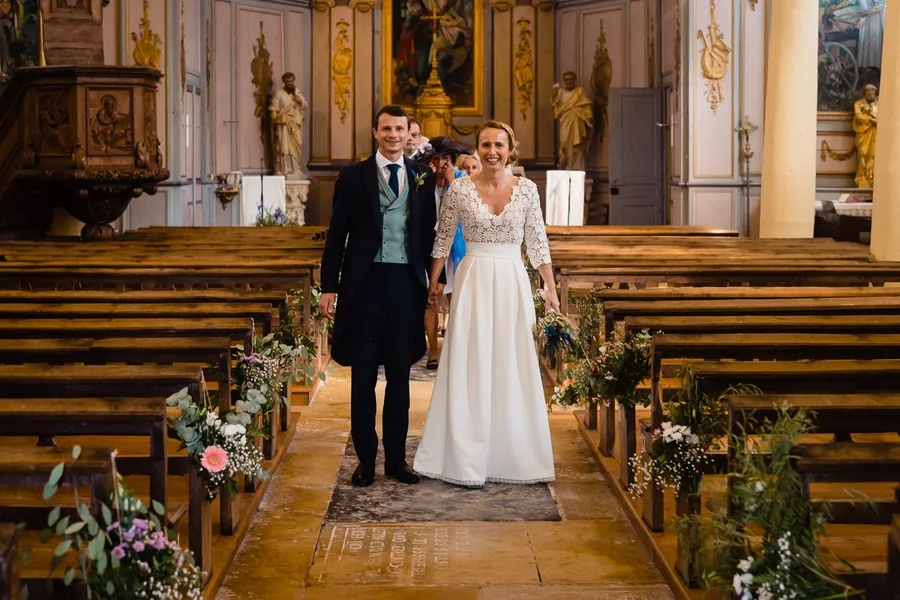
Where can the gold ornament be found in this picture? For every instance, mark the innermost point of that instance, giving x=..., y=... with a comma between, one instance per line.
x=147, y=46
x=714, y=59
x=341, y=66
x=524, y=71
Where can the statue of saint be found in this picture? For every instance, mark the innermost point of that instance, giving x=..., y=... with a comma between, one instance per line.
x=287, y=109
x=865, y=124
x=573, y=109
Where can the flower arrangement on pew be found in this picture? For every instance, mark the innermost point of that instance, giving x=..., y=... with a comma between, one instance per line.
x=768, y=548
x=621, y=366
x=680, y=452
x=220, y=446
x=123, y=553
x=276, y=218
x=262, y=371
x=600, y=371
x=292, y=333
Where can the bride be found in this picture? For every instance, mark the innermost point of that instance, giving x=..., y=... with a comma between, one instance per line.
x=488, y=419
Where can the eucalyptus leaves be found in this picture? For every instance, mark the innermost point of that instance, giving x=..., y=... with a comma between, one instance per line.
x=125, y=554
x=220, y=449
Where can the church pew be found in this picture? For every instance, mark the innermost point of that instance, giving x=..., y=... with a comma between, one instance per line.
x=640, y=230
x=785, y=377
x=30, y=467
x=717, y=324
x=240, y=330
x=745, y=347
x=734, y=293
x=155, y=278
x=894, y=558
x=727, y=274
x=85, y=381
x=766, y=324
x=49, y=417
x=9, y=562
x=615, y=310
x=274, y=297
x=263, y=314
x=839, y=414
x=853, y=463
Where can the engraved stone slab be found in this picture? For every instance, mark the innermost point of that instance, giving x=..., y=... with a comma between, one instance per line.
x=427, y=554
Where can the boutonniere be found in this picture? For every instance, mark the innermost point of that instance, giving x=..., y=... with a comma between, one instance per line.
x=419, y=178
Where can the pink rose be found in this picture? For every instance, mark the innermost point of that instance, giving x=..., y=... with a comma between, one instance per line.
x=138, y=546
x=214, y=459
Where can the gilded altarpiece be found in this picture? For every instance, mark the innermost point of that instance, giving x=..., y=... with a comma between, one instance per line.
x=408, y=32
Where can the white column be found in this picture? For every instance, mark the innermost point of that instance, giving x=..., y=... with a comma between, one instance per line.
x=886, y=207
x=787, y=206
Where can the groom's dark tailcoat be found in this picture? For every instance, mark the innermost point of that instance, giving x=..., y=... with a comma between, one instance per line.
x=380, y=307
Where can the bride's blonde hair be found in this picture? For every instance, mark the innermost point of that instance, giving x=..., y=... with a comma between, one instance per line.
x=510, y=134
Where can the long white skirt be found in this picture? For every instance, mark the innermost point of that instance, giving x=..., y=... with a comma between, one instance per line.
x=487, y=420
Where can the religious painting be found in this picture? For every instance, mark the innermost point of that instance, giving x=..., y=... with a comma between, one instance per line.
x=850, y=42
x=110, y=130
x=414, y=31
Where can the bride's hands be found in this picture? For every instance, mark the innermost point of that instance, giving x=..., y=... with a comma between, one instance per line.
x=434, y=292
x=552, y=300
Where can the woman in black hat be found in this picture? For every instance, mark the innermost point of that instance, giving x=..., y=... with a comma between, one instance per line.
x=440, y=153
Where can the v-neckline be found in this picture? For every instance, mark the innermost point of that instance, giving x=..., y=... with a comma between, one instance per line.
x=481, y=203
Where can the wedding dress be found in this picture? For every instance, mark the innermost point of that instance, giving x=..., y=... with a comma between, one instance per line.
x=487, y=420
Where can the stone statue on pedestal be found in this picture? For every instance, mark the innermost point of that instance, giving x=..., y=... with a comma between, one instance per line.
x=574, y=111
x=865, y=124
x=287, y=109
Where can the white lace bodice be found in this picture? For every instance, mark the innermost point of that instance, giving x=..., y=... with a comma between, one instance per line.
x=520, y=220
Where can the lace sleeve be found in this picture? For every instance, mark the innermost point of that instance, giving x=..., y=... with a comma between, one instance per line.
x=535, y=234
x=447, y=222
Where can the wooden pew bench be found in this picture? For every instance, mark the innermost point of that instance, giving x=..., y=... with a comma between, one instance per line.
x=86, y=381
x=262, y=314
x=853, y=463
x=49, y=417
x=10, y=562
x=239, y=330
x=618, y=310
x=744, y=347
x=736, y=293
x=30, y=467
x=894, y=558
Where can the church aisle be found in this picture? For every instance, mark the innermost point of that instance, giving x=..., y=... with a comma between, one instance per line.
x=297, y=549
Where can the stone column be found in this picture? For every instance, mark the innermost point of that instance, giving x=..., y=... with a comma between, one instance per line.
x=886, y=188
x=787, y=207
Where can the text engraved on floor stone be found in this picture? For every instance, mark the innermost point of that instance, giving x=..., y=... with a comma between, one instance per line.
x=428, y=554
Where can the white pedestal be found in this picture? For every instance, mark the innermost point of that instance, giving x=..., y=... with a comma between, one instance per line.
x=273, y=196
x=296, y=196
x=565, y=197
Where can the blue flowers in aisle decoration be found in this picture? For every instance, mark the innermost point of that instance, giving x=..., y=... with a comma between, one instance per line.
x=554, y=334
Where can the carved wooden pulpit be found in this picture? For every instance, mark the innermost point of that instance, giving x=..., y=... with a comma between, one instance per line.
x=77, y=133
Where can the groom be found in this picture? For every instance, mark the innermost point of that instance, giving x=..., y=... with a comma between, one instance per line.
x=376, y=257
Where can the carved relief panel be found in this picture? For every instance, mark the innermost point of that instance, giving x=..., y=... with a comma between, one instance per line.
x=110, y=116
x=54, y=120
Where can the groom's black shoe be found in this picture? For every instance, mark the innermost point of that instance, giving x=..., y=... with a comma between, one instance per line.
x=402, y=473
x=364, y=475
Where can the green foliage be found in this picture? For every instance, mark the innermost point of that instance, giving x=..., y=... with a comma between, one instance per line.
x=769, y=546
x=620, y=367
x=133, y=556
x=590, y=323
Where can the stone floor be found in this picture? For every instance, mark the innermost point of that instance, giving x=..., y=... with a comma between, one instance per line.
x=291, y=553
